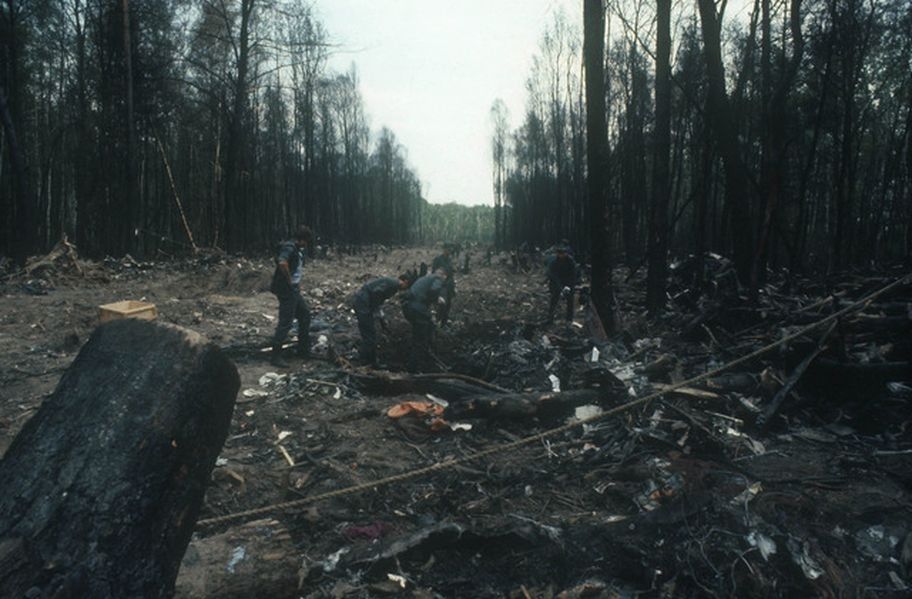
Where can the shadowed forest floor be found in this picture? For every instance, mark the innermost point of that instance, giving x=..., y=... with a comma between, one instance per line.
x=686, y=496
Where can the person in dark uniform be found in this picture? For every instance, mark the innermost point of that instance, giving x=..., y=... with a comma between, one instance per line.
x=416, y=307
x=367, y=302
x=562, y=277
x=286, y=285
x=443, y=264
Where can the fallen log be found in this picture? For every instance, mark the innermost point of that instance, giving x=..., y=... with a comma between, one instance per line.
x=103, y=486
x=460, y=377
x=741, y=382
x=256, y=559
x=889, y=308
x=770, y=410
x=900, y=325
x=449, y=386
x=658, y=368
x=835, y=374
x=772, y=407
x=517, y=406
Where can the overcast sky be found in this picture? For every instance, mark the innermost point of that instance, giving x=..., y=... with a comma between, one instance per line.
x=430, y=70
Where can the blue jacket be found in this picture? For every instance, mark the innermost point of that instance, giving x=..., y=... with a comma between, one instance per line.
x=291, y=253
x=377, y=291
x=425, y=290
x=562, y=272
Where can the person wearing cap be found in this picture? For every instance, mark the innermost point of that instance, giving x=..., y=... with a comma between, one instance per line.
x=443, y=264
x=562, y=274
x=286, y=285
x=416, y=307
x=367, y=303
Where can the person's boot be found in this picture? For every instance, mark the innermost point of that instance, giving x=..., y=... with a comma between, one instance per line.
x=411, y=363
x=303, y=349
x=277, y=360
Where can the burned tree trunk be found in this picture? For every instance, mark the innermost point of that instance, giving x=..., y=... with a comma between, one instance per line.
x=661, y=186
x=22, y=235
x=102, y=487
x=738, y=186
x=597, y=161
x=518, y=406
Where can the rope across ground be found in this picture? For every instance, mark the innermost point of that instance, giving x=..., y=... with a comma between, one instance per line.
x=538, y=437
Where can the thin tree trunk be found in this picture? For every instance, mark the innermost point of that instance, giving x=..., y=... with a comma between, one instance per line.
x=908, y=193
x=738, y=187
x=24, y=232
x=702, y=190
x=597, y=151
x=236, y=148
x=661, y=186
x=128, y=207
x=774, y=134
x=804, y=206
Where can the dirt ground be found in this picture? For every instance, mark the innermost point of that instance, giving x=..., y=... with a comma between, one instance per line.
x=684, y=497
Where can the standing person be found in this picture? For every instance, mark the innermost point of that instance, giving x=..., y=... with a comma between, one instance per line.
x=367, y=302
x=443, y=264
x=286, y=285
x=562, y=277
x=416, y=307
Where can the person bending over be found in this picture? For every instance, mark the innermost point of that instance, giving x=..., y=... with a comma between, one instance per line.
x=367, y=303
x=416, y=307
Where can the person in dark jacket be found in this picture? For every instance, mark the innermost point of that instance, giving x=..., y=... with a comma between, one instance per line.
x=367, y=302
x=286, y=281
x=443, y=264
x=562, y=277
x=416, y=307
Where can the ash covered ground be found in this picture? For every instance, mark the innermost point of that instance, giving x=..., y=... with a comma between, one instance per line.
x=685, y=496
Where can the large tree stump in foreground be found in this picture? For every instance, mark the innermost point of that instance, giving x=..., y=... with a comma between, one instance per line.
x=100, y=491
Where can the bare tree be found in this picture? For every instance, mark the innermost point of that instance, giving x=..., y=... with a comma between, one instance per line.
x=499, y=140
x=661, y=182
x=739, y=188
x=596, y=158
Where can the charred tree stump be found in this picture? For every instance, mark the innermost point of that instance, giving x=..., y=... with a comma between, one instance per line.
x=103, y=486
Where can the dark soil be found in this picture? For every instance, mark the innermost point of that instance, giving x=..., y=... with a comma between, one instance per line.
x=684, y=497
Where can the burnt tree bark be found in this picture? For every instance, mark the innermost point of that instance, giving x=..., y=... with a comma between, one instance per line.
x=103, y=486
x=129, y=202
x=774, y=135
x=235, y=209
x=661, y=185
x=23, y=234
x=908, y=194
x=597, y=160
x=738, y=186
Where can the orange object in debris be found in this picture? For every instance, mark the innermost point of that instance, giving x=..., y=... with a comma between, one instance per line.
x=421, y=407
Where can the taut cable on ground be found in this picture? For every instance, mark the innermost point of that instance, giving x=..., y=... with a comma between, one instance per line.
x=437, y=467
